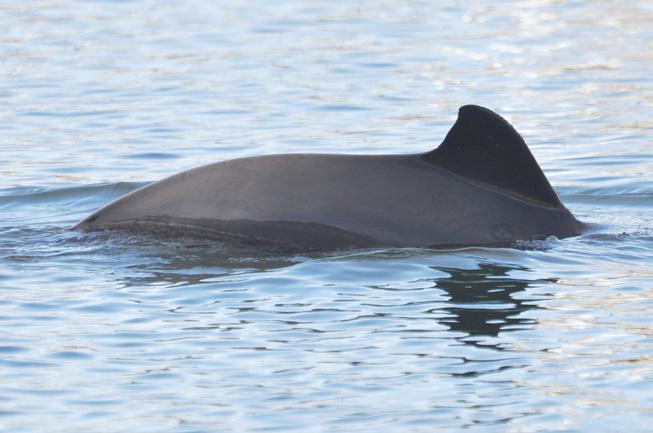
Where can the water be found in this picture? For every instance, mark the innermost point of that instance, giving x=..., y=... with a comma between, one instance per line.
x=109, y=333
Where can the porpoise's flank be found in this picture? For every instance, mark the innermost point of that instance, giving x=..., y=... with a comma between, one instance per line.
x=481, y=186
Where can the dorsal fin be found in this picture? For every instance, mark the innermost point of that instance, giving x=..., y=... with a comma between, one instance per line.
x=483, y=146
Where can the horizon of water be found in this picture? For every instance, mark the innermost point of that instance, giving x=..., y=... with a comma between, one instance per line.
x=116, y=332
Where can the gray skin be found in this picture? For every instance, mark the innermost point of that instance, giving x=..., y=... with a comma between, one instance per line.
x=318, y=201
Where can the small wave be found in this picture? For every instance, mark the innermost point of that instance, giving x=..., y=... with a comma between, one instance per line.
x=28, y=196
x=621, y=200
x=152, y=155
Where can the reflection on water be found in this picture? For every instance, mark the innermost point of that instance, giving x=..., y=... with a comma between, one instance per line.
x=482, y=301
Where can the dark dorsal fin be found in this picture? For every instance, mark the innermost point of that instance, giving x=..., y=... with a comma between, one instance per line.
x=483, y=146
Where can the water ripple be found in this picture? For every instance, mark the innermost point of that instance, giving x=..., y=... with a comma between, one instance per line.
x=113, y=332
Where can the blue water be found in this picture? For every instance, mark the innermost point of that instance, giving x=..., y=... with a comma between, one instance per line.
x=101, y=332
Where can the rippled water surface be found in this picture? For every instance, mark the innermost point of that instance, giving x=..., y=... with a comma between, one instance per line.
x=113, y=333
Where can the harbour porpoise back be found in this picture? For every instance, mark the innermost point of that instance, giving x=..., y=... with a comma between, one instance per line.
x=481, y=186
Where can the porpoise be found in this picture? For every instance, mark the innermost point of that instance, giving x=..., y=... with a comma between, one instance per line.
x=481, y=186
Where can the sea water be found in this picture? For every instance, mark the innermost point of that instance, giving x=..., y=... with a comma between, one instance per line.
x=110, y=332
